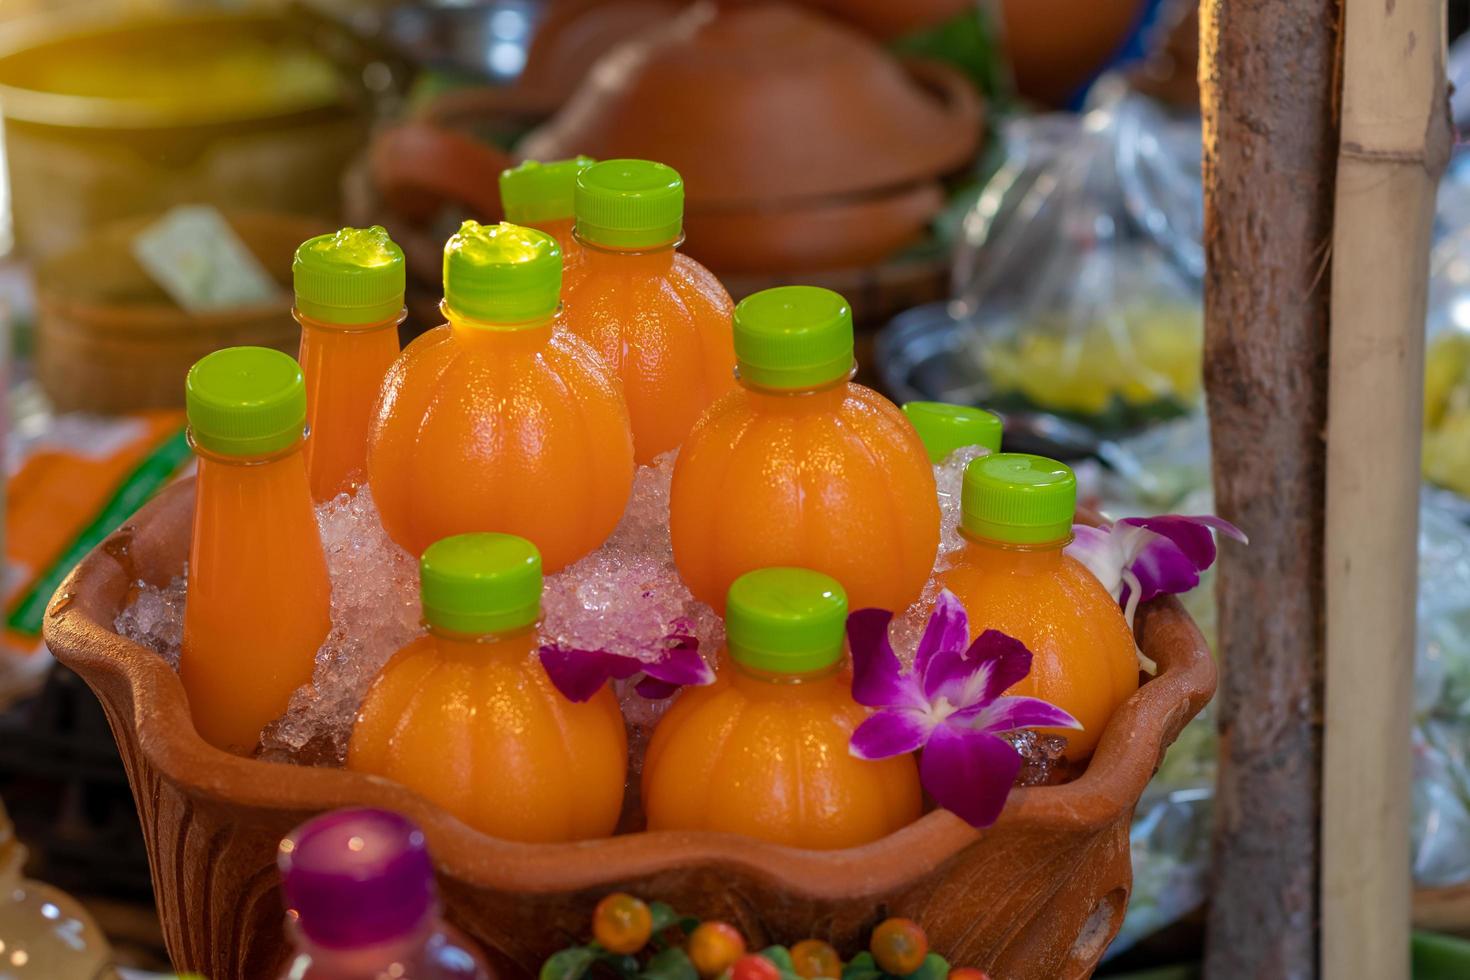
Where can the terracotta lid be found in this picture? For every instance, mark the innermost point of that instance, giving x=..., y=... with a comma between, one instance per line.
x=758, y=102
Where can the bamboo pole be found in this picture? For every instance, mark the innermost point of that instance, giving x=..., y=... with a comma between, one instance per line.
x=1267, y=81
x=1395, y=141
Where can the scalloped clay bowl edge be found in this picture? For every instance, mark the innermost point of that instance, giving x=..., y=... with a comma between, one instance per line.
x=1036, y=897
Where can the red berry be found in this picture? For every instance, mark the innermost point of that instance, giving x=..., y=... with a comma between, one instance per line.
x=753, y=967
x=968, y=973
x=622, y=923
x=814, y=959
x=899, y=946
x=714, y=947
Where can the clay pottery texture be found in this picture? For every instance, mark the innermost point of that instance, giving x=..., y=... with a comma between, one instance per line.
x=1037, y=896
x=889, y=19
x=779, y=119
x=1054, y=46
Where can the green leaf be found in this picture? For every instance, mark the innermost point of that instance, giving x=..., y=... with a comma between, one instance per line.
x=671, y=964
x=934, y=967
x=569, y=964
x=663, y=915
x=781, y=956
x=862, y=967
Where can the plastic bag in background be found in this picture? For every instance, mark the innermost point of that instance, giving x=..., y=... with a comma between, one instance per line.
x=1077, y=273
x=1447, y=365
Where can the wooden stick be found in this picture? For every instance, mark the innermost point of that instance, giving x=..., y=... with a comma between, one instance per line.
x=1267, y=78
x=1396, y=138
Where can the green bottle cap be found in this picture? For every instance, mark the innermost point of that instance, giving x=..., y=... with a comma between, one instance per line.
x=480, y=583
x=945, y=427
x=534, y=192
x=351, y=277
x=793, y=337
x=785, y=620
x=1018, y=499
x=502, y=274
x=245, y=401
x=629, y=204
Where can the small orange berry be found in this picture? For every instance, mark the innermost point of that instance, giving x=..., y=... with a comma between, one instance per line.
x=968, y=973
x=814, y=959
x=714, y=947
x=899, y=946
x=622, y=923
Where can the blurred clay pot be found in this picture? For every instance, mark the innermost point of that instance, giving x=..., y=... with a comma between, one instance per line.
x=888, y=19
x=1038, y=896
x=1054, y=46
x=769, y=108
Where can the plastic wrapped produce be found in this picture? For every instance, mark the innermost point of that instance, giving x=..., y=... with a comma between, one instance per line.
x=1078, y=270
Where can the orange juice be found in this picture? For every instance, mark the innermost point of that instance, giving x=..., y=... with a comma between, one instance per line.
x=1011, y=575
x=259, y=601
x=539, y=195
x=802, y=467
x=764, y=750
x=501, y=420
x=467, y=718
x=349, y=302
x=659, y=319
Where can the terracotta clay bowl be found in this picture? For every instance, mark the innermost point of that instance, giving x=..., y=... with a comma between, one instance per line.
x=1038, y=896
x=761, y=104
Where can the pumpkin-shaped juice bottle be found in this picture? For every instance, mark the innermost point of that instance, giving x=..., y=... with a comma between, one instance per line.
x=802, y=467
x=944, y=428
x=467, y=718
x=764, y=750
x=539, y=195
x=1012, y=575
x=659, y=318
x=501, y=420
x=349, y=302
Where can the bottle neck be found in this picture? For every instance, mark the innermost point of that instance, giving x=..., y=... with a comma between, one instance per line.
x=368, y=962
x=527, y=336
x=822, y=397
x=766, y=683
x=1040, y=555
x=310, y=326
x=214, y=459
x=480, y=645
x=649, y=261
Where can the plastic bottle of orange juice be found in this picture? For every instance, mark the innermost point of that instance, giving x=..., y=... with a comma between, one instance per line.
x=1011, y=575
x=764, y=750
x=802, y=467
x=659, y=318
x=943, y=427
x=500, y=420
x=539, y=195
x=349, y=302
x=259, y=600
x=466, y=716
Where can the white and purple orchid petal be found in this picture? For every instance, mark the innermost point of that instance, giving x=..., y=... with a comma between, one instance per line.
x=1160, y=568
x=681, y=665
x=1009, y=659
x=653, y=689
x=948, y=629
x=579, y=674
x=969, y=773
x=1009, y=713
x=878, y=679
x=1103, y=554
x=890, y=732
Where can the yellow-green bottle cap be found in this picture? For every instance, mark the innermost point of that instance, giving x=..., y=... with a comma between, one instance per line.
x=245, y=401
x=793, y=337
x=480, y=583
x=533, y=192
x=1016, y=498
x=629, y=204
x=349, y=277
x=944, y=427
x=785, y=620
x=502, y=275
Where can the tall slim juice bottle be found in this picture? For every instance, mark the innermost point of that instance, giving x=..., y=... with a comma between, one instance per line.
x=1012, y=575
x=259, y=600
x=943, y=428
x=799, y=466
x=466, y=716
x=764, y=750
x=361, y=903
x=349, y=302
x=501, y=420
x=539, y=195
x=660, y=319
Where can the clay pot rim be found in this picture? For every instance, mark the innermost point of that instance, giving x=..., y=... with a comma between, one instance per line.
x=78, y=630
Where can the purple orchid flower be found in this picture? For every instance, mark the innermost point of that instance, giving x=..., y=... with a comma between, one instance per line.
x=951, y=704
x=579, y=674
x=1139, y=558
